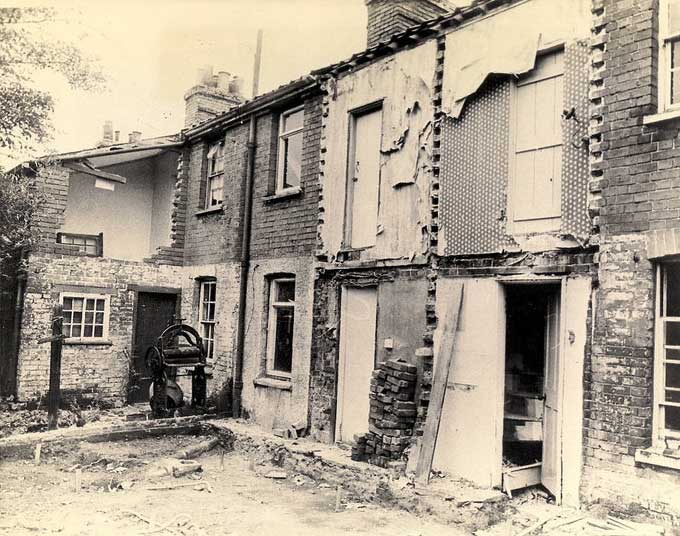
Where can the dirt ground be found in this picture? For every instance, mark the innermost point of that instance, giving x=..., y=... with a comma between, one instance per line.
x=236, y=499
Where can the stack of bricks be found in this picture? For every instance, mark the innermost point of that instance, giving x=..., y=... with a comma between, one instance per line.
x=392, y=415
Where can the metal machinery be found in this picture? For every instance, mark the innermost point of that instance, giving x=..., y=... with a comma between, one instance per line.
x=179, y=351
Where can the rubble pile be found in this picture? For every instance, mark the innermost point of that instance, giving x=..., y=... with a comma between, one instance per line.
x=392, y=415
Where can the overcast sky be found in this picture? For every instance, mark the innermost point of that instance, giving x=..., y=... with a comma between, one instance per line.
x=150, y=51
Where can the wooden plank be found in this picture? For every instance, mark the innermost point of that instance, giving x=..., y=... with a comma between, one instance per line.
x=55, y=368
x=442, y=365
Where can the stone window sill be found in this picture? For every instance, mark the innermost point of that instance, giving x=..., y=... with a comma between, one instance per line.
x=659, y=457
x=211, y=210
x=662, y=117
x=285, y=194
x=284, y=385
x=88, y=342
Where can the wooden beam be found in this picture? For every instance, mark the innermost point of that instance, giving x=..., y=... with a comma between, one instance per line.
x=443, y=355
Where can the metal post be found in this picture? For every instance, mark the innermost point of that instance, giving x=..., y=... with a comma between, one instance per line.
x=55, y=368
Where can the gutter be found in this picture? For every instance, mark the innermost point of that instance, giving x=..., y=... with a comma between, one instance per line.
x=246, y=210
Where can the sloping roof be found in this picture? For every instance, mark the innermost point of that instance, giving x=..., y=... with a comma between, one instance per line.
x=161, y=142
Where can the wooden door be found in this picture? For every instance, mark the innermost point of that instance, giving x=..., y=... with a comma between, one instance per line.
x=551, y=473
x=154, y=313
x=470, y=440
x=364, y=175
x=357, y=360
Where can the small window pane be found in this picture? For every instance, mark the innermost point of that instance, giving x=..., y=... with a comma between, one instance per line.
x=99, y=331
x=100, y=305
x=672, y=375
x=68, y=304
x=76, y=331
x=285, y=291
x=673, y=333
x=99, y=318
x=87, y=331
x=293, y=121
x=89, y=318
x=673, y=353
x=77, y=318
x=672, y=418
x=292, y=166
x=77, y=304
x=283, y=356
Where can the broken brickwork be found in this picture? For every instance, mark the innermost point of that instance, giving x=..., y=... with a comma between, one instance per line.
x=392, y=416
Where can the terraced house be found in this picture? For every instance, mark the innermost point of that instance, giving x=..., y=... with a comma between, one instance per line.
x=518, y=153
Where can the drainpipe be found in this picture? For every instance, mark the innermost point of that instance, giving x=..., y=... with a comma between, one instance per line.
x=246, y=210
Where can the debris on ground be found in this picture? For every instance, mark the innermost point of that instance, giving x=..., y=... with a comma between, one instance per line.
x=276, y=475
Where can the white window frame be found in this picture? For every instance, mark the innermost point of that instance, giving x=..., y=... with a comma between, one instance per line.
x=544, y=224
x=666, y=38
x=274, y=306
x=214, y=157
x=207, y=325
x=107, y=313
x=283, y=135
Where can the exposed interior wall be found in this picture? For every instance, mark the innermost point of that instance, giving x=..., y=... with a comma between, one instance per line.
x=402, y=295
x=403, y=83
x=134, y=217
x=277, y=404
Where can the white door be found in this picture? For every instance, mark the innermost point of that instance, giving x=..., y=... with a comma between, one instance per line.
x=357, y=360
x=551, y=473
x=470, y=440
x=364, y=175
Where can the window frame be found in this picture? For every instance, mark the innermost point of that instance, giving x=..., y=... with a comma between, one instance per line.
x=666, y=38
x=207, y=325
x=98, y=239
x=107, y=315
x=533, y=224
x=272, y=317
x=281, y=154
x=211, y=176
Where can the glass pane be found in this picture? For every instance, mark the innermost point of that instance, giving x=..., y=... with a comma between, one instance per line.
x=77, y=317
x=88, y=331
x=89, y=305
x=99, y=331
x=68, y=304
x=89, y=318
x=283, y=353
x=673, y=333
x=99, y=318
x=285, y=291
x=204, y=311
x=211, y=311
x=75, y=332
x=100, y=305
x=293, y=161
x=672, y=375
x=672, y=418
x=212, y=289
x=293, y=121
x=77, y=304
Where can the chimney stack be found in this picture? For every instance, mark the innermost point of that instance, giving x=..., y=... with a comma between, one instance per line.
x=135, y=136
x=107, y=136
x=389, y=17
x=213, y=95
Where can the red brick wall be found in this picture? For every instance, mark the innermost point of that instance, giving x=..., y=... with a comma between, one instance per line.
x=637, y=186
x=388, y=17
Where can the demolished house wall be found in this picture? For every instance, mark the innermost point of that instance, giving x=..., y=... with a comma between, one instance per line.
x=402, y=83
x=628, y=467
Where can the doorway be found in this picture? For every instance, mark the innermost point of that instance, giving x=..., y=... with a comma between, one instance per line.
x=154, y=312
x=533, y=386
x=358, y=315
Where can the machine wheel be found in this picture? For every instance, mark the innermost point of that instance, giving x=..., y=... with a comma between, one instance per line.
x=152, y=359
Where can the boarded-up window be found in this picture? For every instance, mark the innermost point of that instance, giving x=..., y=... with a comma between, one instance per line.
x=363, y=178
x=537, y=177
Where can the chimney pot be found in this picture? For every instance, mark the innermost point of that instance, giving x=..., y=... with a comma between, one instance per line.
x=236, y=86
x=223, y=80
x=116, y=136
x=135, y=136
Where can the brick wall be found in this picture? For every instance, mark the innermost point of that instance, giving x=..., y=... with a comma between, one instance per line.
x=286, y=227
x=87, y=369
x=636, y=188
x=388, y=17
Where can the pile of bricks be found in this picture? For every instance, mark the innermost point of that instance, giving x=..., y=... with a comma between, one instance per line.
x=392, y=416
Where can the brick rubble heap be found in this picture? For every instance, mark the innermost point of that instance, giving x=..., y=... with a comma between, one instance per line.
x=392, y=416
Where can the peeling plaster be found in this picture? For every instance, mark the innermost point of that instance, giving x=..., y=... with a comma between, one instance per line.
x=471, y=56
x=403, y=83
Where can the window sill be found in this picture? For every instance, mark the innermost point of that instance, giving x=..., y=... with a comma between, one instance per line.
x=284, y=194
x=662, y=117
x=88, y=342
x=211, y=210
x=659, y=457
x=284, y=385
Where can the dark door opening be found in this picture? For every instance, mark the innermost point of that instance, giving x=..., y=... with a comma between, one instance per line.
x=155, y=311
x=531, y=374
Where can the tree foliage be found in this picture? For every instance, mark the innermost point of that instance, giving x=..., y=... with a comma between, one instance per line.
x=26, y=48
